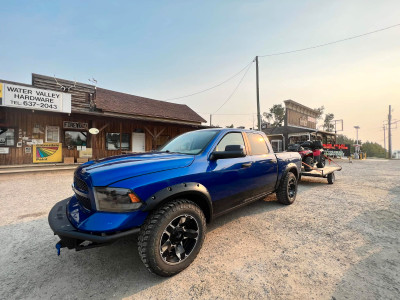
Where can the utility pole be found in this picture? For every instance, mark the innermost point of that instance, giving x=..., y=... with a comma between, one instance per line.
x=258, y=97
x=357, y=147
x=390, y=131
x=210, y=120
x=384, y=138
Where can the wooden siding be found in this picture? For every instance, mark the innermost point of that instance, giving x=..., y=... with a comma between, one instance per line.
x=293, y=118
x=79, y=94
x=24, y=120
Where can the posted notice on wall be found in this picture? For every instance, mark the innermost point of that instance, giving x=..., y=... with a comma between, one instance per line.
x=48, y=152
x=31, y=98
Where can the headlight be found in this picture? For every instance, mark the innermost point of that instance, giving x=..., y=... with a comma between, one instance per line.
x=116, y=199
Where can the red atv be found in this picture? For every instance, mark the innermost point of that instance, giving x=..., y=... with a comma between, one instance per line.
x=311, y=153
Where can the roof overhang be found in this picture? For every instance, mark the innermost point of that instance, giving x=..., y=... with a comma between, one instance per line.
x=137, y=117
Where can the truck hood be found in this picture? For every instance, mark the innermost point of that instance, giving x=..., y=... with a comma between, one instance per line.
x=108, y=170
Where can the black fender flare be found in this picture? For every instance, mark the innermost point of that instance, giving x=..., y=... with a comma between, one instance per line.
x=289, y=168
x=196, y=192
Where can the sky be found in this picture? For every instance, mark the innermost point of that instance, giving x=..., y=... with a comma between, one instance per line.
x=167, y=49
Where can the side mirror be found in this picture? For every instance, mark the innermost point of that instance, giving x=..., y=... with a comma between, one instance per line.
x=227, y=154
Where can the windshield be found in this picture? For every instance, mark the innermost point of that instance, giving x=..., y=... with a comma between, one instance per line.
x=192, y=142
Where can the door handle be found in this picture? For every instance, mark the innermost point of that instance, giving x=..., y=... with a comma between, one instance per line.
x=247, y=165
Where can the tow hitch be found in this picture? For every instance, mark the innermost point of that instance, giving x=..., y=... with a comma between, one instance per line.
x=58, y=247
x=78, y=245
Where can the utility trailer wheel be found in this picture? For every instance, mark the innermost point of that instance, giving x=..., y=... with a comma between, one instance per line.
x=171, y=237
x=331, y=178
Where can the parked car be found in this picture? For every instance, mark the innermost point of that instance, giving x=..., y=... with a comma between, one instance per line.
x=311, y=152
x=169, y=196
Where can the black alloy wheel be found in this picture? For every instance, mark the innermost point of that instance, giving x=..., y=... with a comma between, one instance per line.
x=287, y=190
x=292, y=187
x=171, y=237
x=179, y=239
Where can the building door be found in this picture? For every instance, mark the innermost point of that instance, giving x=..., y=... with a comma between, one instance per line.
x=138, y=142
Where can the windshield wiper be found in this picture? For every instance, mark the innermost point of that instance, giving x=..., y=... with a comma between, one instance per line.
x=168, y=151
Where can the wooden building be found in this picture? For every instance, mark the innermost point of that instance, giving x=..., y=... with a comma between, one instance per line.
x=32, y=126
x=300, y=125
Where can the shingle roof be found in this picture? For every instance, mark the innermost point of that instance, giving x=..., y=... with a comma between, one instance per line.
x=117, y=102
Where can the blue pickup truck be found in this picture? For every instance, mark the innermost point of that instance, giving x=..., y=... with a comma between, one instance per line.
x=170, y=195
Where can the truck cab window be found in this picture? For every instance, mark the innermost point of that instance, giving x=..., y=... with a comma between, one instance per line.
x=257, y=144
x=231, y=139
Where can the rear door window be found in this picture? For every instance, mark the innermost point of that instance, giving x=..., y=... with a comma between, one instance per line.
x=257, y=144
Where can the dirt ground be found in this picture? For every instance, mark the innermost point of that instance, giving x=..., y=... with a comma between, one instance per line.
x=339, y=241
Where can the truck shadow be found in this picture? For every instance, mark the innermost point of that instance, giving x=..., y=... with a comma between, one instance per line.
x=32, y=268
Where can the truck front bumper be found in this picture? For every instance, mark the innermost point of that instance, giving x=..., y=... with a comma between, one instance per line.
x=72, y=237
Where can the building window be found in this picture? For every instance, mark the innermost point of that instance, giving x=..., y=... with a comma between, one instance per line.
x=38, y=132
x=7, y=137
x=52, y=134
x=117, y=141
x=75, y=138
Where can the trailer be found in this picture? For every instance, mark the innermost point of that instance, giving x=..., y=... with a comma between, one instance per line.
x=327, y=172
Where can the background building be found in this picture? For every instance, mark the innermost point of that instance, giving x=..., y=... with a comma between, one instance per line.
x=59, y=113
x=300, y=125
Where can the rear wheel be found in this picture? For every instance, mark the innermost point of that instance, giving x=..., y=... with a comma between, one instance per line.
x=171, y=237
x=308, y=163
x=331, y=178
x=287, y=190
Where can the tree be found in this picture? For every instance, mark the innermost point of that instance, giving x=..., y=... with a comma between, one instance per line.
x=320, y=111
x=328, y=126
x=373, y=150
x=276, y=115
x=342, y=139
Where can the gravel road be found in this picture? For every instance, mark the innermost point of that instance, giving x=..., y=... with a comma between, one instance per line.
x=339, y=241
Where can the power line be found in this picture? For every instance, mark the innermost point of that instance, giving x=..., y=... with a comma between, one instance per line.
x=330, y=43
x=213, y=87
x=249, y=114
x=230, y=96
x=276, y=54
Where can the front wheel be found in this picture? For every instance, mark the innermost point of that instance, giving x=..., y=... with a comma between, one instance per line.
x=287, y=190
x=171, y=237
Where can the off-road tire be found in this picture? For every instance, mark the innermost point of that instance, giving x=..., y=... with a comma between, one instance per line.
x=321, y=162
x=151, y=232
x=283, y=193
x=309, y=161
x=331, y=178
